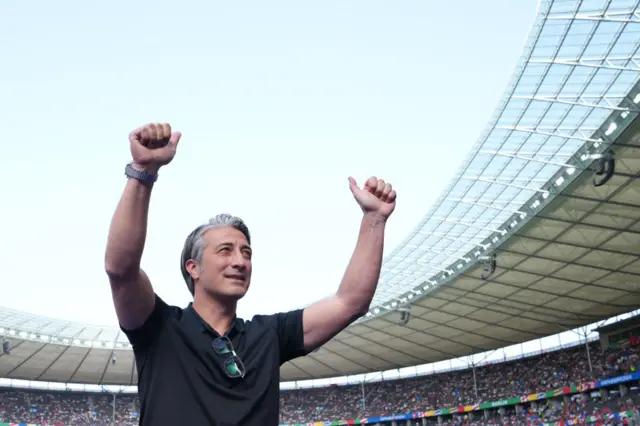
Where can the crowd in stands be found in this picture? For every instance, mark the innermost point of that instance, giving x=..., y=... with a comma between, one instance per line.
x=493, y=382
x=67, y=408
x=549, y=371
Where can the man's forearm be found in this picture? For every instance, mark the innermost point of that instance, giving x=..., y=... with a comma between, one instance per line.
x=128, y=230
x=361, y=277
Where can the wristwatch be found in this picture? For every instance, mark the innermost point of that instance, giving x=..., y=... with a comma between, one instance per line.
x=143, y=177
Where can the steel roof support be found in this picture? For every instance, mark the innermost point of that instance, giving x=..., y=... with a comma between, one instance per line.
x=583, y=100
x=602, y=62
x=624, y=16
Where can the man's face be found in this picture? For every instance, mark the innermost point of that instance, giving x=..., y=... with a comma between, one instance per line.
x=225, y=269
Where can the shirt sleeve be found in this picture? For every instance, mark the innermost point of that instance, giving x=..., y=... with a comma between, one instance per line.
x=290, y=335
x=144, y=337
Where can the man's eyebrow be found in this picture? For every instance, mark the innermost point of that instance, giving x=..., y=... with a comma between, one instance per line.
x=229, y=244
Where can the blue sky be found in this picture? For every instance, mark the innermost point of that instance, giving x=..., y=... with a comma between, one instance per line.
x=278, y=103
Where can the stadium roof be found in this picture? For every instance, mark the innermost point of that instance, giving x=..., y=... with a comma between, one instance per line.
x=567, y=252
x=579, y=62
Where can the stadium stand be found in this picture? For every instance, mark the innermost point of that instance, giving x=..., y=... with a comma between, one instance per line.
x=564, y=386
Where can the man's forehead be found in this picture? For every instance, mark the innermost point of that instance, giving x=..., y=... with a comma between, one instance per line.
x=225, y=234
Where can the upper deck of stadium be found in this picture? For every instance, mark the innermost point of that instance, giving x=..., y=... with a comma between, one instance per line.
x=567, y=252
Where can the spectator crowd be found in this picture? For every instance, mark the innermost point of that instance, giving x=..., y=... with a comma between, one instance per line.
x=548, y=371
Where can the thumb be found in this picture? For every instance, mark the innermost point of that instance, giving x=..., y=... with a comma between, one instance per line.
x=175, y=138
x=353, y=186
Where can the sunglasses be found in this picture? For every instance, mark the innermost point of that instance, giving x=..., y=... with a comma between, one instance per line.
x=233, y=366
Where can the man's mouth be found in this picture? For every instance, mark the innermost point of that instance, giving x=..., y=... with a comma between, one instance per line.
x=235, y=277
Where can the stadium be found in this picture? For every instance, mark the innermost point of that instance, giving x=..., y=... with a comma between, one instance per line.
x=537, y=236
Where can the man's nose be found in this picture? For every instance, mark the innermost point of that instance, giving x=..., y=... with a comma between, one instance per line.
x=239, y=261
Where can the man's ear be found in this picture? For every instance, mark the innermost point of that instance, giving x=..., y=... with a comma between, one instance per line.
x=192, y=269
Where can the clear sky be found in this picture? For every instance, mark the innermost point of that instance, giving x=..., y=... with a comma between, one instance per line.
x=278, y=102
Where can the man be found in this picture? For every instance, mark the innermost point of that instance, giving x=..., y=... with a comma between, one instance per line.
x=202, y=365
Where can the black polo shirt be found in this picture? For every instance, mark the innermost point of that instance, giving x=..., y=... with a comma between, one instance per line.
x=181, y=380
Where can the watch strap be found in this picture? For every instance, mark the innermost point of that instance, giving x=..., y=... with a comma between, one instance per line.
x=143, y=177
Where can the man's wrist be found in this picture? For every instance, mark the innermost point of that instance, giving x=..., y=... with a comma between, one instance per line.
x=374, y=219
x=144, y=174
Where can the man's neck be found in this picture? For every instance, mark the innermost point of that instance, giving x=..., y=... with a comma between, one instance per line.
x=219, y=316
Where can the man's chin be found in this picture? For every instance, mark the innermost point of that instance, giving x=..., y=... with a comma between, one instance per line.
x=235, y=293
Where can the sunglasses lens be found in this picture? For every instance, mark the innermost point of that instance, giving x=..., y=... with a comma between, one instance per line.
x=234, y=368
x=222, y=346
x=232, y=365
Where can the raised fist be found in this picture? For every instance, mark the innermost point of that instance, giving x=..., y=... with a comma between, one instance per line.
x=153, y=146
x=377, y=196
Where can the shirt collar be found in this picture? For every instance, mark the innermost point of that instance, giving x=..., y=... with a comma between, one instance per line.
x=194, y=319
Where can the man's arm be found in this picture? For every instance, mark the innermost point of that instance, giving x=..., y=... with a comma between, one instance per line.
x=131, y=289
x=324, y=319
x=152, y=146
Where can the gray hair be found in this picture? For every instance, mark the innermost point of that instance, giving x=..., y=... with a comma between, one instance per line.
x=194, y=245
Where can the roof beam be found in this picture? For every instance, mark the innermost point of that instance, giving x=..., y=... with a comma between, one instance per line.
x=497, y=181
x=480, y=203
x=551, y=132
x=533, y=159
x=624, y=16
x=611, y=63
x=582, y=100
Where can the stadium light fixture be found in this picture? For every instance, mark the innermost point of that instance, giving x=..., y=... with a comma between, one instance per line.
x=405, y=315
x=612, y=128
x=604, y=167
x=489, y=264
